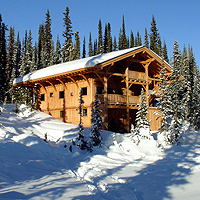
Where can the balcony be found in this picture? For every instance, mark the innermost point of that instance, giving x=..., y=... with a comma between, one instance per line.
x=137, y=75
x=118, y=99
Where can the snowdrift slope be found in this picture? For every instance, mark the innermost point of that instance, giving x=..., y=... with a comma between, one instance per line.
x=31, y=168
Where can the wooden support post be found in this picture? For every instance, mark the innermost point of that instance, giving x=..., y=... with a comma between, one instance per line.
x=106, y=101
x=127, y=101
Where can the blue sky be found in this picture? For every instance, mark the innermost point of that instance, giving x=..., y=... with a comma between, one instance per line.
x=176, y=19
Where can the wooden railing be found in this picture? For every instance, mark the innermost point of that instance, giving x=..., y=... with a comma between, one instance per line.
x=120, y=99
x=136, y=75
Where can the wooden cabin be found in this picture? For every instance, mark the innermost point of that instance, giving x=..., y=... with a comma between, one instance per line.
x=118, y=77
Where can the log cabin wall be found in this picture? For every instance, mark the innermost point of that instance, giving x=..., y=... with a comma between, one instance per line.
x=66, y=107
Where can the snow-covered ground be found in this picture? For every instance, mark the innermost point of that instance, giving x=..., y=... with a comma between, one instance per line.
x=31, y=168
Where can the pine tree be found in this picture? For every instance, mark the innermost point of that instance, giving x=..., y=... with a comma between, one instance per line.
x=77, y=46
x=52, y=54
x=164, y=52
x=138, y=40
x=160, y=49
x=96, y=122
x=58, y=52
x=48, y=40
x=67, y=48
x=17, y=56
x=81, y=142
x=164, y=102
x=10, y=62
x=146, y=39
x=90, y=52
x=175, y=91
x=154, y=36
x=29, y=54
x=142, y=124
x=105, y=41
x=100, y=38
x=132, y=40
x=194, y=116
x=15, y=73
x=123, y=43
x=84, y=51
x=40, y=48
x=3, y=77
x=109, y=38
x=115, y=44
x=95, y=47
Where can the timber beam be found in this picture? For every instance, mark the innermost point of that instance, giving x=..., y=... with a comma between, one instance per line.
x=42, y=87
x=62, y=83
x=52, y=85
x=73, y=81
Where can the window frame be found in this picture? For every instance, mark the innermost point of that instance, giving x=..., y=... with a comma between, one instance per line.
x=61, y=94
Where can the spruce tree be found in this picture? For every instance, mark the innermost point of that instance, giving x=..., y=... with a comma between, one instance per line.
x=67, y=48
x=84, y=51
x=154, y=36
x=40, y=48
x=115, y=44
x=81, y=142
x=164, y=52
x=175, y=91
x=109, y=38
x=96, y=122
x=105, y=41
x=142, y=124
x=123, y=43
x=77, y=52
x=95, y=47
x=90, y=52
x=100, y=38
x=138, y=40
x=10, y=61
x=194, y=104
x=3, y=77
x=132, y=40
x=29, y=54
x=164, y=102
x=146, y=39
x=48, y=40
x=58, y=52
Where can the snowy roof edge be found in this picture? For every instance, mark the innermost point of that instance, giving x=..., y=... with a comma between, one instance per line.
x=75, y=65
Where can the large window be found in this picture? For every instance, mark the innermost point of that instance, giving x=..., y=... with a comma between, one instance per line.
x=84, y=91
x=42, y=97
x=61, y=94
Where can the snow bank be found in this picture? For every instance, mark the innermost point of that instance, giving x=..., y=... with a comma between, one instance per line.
x=31, y=168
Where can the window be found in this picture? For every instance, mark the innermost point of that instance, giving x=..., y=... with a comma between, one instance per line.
x=42, y=97
x=100, y=90
x=61, y=94
x=84, y=112
x=84, y=91
x=72, y=94
x=61, y=114
x=51, y=94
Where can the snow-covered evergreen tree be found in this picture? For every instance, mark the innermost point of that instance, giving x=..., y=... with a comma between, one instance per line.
x=96, y=122
x=58, y=52
x=175, y=91
x=81, y=142
x=142, y=124
x=67, y=48
x=3, y=53
x=164, y=102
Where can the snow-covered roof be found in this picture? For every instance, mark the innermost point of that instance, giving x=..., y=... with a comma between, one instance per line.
x=72, y=65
